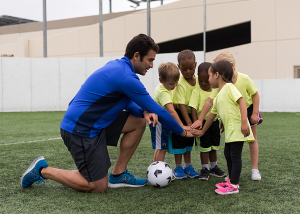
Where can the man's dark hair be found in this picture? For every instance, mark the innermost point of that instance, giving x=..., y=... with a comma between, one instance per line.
x=142, y=44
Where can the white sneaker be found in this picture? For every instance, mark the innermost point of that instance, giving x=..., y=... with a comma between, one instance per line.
x=255, y=175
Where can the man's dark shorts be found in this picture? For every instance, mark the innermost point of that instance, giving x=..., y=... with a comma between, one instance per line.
x=90, y=154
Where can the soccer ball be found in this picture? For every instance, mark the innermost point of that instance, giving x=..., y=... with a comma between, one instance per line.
x=159, y=174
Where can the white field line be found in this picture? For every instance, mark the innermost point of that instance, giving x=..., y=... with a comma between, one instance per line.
x=33, y=141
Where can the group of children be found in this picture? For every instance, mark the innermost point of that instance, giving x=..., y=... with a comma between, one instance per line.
x=217, y=99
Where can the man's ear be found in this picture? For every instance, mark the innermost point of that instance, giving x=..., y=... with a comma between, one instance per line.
x=136, y=56
x=217, y=75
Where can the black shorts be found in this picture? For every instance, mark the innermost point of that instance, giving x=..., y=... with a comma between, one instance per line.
x=90, y=154
x=212, y=136
x=249, y=114
x=179, y=142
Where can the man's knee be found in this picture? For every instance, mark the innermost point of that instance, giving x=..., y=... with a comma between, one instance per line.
x=98, y=186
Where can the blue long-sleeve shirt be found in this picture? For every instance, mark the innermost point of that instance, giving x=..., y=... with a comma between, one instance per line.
x=105, y=94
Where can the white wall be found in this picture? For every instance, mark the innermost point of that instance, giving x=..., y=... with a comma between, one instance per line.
x=39, y=84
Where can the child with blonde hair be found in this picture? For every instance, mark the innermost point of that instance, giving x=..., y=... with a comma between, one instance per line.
x=209, y=143
x=181, y=146
x=160, y=135
x=250, y=93
x=230, y=105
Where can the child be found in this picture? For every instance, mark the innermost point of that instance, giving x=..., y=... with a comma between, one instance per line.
x=181, y=97
x=160, y=136
x=210, y=141
x=231, y=107
x=250, y=93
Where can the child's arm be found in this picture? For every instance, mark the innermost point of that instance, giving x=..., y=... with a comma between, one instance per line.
x=194, y=114
x=243, y=109
x=185, y=114
x=209, y=120
x=171, y=110
x=198, y=123
x=254, y=117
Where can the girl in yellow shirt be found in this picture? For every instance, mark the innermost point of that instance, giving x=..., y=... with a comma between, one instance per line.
x=230, y=105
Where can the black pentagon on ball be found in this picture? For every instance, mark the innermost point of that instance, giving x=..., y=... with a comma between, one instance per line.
x=154, y=163
x=157, y=185
x=158, y=171
x=169, y=179
x=167, y=165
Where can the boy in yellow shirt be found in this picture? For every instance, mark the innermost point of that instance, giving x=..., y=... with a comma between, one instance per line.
x=210, y=141
x=161, y=136
x=188, y=81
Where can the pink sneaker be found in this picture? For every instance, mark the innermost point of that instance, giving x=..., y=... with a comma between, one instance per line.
x=227, y=190
x=223, y=184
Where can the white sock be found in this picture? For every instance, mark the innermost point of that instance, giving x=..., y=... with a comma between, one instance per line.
x=213, y=164
x=186, y=165
x=205, y=166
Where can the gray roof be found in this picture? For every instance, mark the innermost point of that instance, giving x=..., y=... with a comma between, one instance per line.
x=11, y=20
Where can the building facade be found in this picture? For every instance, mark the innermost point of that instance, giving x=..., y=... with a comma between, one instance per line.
x=262, y=35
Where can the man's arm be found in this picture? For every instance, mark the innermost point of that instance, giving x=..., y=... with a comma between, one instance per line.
x=136, y=91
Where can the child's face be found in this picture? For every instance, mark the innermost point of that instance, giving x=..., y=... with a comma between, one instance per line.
x=203, y=81
x=187, y=68
x=212, y=79
x=169, y=83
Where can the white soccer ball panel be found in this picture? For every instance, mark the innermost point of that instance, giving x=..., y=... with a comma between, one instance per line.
x=159, y=174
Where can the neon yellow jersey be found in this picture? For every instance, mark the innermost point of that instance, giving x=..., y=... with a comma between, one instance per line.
x=183, y=92
x=162, y=95
x=198, y=99
x=225, y=104
x=245, y=86
x=214, y=93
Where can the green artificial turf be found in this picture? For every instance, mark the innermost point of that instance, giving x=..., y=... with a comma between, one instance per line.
x=277, y=192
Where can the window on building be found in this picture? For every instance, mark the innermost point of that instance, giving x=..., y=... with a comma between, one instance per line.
x=297, y=71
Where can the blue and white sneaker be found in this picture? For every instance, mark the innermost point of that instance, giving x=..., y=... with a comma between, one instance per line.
x=125, y=180
x=190, y=172
x=179, y=173
x=32, y=174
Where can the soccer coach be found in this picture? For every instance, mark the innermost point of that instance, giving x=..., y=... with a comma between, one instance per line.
x=96, y=118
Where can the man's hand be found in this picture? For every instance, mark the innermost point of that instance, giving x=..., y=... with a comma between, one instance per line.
x=197, y=125
x=151, y=118
x=186, y=128
x=186, y=133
